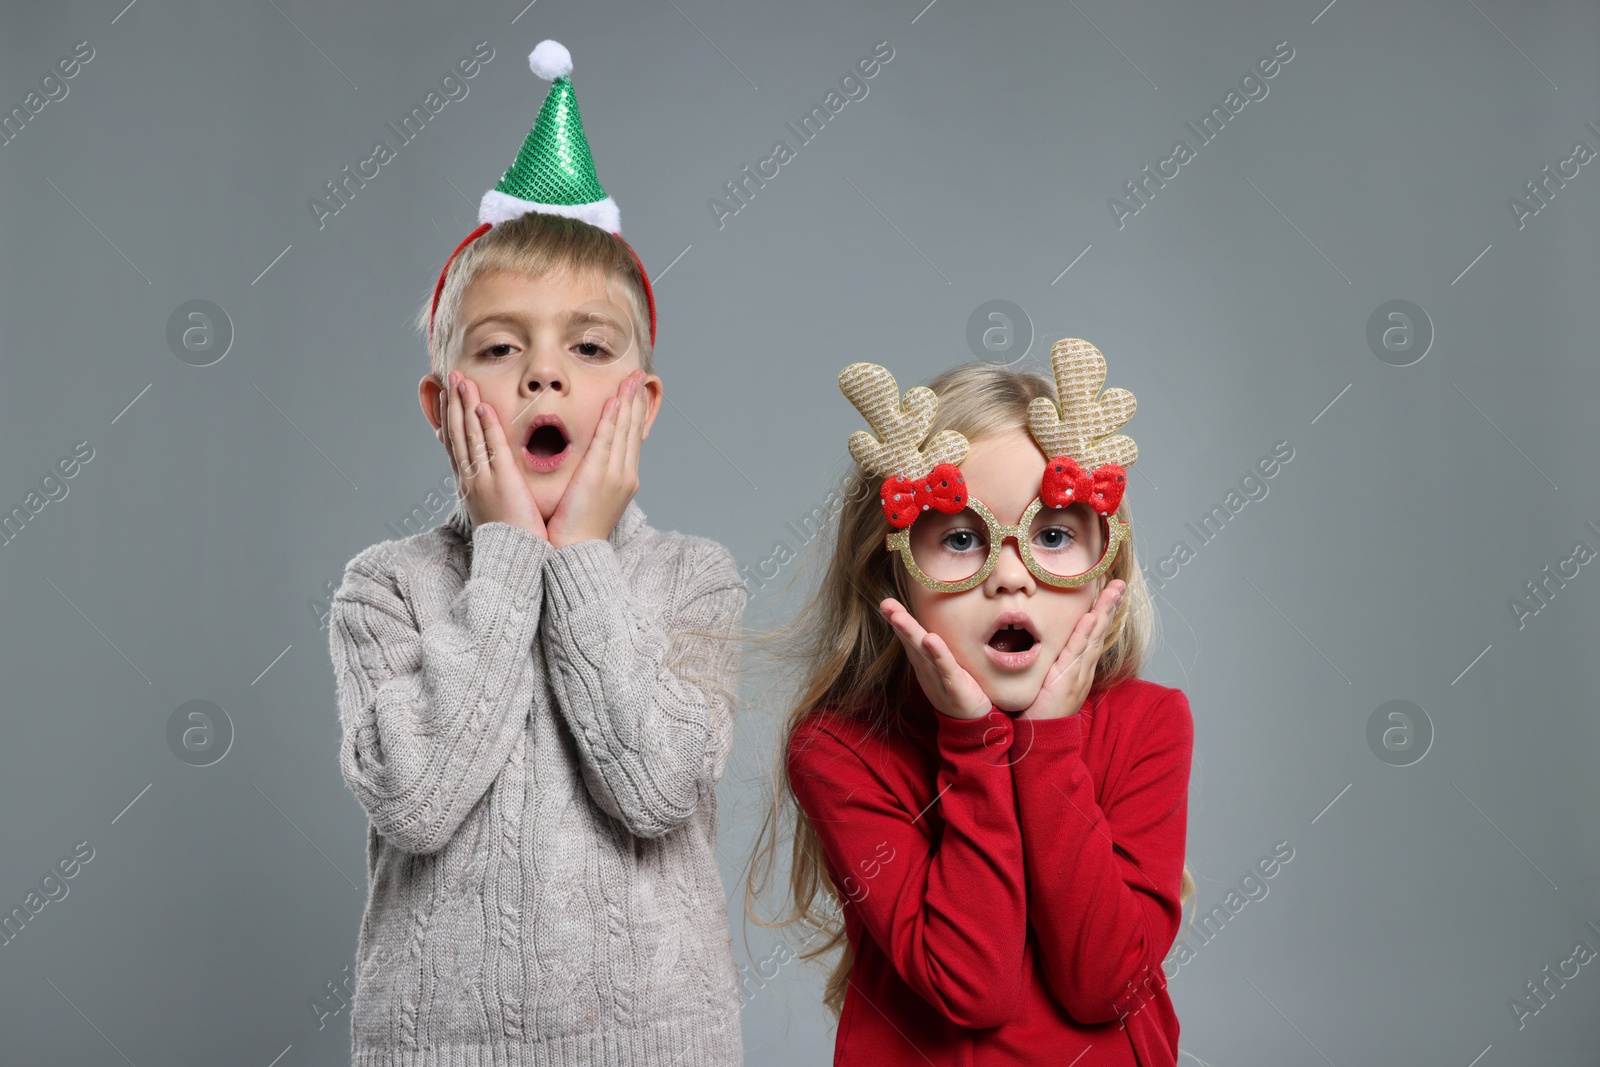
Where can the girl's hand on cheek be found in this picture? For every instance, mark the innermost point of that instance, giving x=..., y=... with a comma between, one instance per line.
x=482, y=460
x=949, y=687
x=608, y=475
x=1067, y=682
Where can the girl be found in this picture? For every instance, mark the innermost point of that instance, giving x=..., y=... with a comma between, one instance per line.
x=991, y=796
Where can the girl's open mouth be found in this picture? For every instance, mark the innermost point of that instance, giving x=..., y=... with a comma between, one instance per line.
x=547, y=445
x=1011, y=639
x=1012, y=645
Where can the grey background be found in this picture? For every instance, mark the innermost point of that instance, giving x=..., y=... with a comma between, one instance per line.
x=185, y=561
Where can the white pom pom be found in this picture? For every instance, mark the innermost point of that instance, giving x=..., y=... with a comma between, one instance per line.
x=550, y=60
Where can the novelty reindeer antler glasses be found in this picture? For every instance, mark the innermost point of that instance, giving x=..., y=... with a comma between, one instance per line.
x=950, y=541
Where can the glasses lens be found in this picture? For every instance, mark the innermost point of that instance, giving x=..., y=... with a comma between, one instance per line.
x=1066, y=542
x=949, y=548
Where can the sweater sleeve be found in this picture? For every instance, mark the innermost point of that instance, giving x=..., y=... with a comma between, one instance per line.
x=1104, y=881
x=647, y=690
x=429, y=714
x=947, y=907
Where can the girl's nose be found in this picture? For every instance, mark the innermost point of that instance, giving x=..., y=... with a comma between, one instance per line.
x=1009, y=570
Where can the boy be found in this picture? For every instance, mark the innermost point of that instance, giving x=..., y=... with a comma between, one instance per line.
x=536, y=697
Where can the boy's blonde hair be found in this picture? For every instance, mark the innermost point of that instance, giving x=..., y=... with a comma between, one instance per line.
x=535, y=244
x=848, y=656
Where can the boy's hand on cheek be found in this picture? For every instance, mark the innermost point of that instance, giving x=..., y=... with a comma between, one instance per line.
x=1067, y=682
x=608, y=475
x=485, y=466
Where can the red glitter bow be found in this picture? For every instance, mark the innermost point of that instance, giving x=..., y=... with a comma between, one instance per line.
x=1065, y=483
x=942, y=489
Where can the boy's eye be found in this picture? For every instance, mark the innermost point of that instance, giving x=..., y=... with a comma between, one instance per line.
x=590, y=351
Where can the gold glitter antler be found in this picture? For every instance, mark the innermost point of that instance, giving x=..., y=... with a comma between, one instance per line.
x=1084, y=428
x=902, y=427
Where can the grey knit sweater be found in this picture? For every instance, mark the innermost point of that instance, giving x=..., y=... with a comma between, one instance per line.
x=535, y=735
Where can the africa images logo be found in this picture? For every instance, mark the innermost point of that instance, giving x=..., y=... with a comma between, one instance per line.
x=452, y=88
x=1252, y=86
x=741, y=190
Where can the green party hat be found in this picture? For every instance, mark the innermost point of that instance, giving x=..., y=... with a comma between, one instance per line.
x=554, y=172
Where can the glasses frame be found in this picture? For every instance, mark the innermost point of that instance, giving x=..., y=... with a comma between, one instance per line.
x=1117, y=530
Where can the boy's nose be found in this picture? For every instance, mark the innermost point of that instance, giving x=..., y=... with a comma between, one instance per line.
x=548, y=367
x=546, y=374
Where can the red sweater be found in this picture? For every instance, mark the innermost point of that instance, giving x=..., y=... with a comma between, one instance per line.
x=1010, y=887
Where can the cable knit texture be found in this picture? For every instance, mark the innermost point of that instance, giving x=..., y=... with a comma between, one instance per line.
x=536, y=735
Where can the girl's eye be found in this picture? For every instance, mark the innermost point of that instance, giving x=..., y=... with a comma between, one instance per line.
x=490, y=351
x=1056, y=537
x=960, y=540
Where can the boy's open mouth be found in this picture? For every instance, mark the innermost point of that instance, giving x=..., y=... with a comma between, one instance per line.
x=546, y=440
x=1013, y=633
x=547, y=443
x=546, y=437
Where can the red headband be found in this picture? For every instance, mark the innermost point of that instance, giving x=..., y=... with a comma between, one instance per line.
x=483, y=228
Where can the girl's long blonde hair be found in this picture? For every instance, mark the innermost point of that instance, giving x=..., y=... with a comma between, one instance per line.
x=848, y=657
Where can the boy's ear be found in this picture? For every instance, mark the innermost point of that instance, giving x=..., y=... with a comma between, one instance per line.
x=653, y=392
